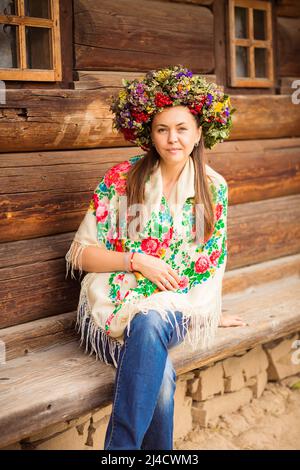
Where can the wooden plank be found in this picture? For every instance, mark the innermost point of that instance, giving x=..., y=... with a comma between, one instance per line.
x=263, y=230
x=289, y=46
x=21, y=340
x=60, y=184
x=286, y=85
x=33, y=285
x=195, y=2
x=289, y=8
x=69, y=119
x=98, y=79
x=247, y=277
x=134, y=35
x=273, y=117
x=62, y=383
x=253, y=169
x=33, y=336
x=37, y=290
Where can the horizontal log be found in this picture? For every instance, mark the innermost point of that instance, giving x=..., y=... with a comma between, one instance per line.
x=34, y=286
x=289, y=46
x=263, y=230
x=33, y=336
x=62, y=383
x=70, y=119
x=99, y=79
x=136, y=35
x=289, y=8
x=47, y=193
x=288, y=85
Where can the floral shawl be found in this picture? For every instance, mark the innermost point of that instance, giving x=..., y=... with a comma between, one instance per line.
x=110, y=299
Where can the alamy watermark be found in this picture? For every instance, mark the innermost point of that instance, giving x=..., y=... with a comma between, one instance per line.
x=295, y=358
x=140, y=216
x=2, y=352
x=2, y=92
x=296, y=93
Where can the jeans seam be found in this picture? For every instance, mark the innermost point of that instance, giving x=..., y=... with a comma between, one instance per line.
x=116, y=396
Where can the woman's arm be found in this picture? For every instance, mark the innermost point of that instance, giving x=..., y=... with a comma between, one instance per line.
x=96, y=259
x=99, y=260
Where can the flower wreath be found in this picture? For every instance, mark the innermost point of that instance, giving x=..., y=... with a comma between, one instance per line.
x=139, y=101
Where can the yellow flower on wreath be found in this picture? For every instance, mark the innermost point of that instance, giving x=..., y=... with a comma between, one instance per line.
x=218, y=107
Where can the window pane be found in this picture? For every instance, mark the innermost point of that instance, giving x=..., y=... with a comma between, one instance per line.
x=8, y=46
x=37, y=8
x=7, y=7
x=241, y=29
x=259, y=20
x=38, y=48
x=260, y=62
x=241, y=61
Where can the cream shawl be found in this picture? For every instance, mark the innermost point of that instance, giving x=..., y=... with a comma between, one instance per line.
x=111, y=299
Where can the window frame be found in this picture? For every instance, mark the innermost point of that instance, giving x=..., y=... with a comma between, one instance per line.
x=251, y=43
x=23, y=73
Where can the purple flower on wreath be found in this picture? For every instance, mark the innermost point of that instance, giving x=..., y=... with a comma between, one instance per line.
x=184, y=74
x=209, y=99
x=227, y=111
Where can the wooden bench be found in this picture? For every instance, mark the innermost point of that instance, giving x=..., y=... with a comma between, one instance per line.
x=47, y=378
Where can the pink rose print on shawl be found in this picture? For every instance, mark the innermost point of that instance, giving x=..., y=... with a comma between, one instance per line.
x=167, y=238
x=117, y=176
x=150, y=246
x=219, y=210
x=101, y=209
x=184, y=282
x=214, y=257
x=202, y=264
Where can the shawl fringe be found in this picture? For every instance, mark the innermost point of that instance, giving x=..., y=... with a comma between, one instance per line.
x=74, y=258
x=200, y=329
x=93, y=335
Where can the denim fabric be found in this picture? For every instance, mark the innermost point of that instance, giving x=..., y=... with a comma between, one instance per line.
x=143, y=398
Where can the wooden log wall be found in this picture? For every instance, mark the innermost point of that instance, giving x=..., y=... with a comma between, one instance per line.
x=288, y=26
x=135, y=35
x=56, y=144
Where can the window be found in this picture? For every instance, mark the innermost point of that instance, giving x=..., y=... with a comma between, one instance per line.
x=30, y=40
x=251, y=47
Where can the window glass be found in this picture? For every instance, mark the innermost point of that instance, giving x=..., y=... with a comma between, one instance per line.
x=38, y=42
x=8, y=46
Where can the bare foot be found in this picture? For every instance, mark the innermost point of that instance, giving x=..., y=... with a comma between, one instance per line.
x=231, y=320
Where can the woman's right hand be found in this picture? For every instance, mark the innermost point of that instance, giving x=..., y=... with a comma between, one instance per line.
x=157, y=271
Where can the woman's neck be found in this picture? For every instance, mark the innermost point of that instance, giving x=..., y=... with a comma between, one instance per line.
x=170, y=173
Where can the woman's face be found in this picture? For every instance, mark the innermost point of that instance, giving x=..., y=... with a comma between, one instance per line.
x=175, y=128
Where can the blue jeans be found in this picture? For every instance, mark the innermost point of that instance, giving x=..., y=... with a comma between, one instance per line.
x=143, y=398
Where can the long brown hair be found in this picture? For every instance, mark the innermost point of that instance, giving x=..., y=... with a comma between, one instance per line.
x=142, y=169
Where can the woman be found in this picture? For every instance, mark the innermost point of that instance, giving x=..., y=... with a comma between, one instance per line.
x=153, y=281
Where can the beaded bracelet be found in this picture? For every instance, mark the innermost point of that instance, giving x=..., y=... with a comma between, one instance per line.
x=131, y=261
x=128, y=261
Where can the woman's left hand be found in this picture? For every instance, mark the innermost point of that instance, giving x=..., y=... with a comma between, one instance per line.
x=232, y=320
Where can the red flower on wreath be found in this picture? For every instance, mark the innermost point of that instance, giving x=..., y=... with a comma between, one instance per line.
x=139, y=116
x=162, y=100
